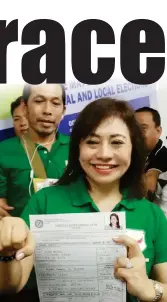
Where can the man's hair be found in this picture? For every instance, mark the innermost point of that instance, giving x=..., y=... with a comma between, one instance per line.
x=27, y=93
x=155, y=114
x=15, y=104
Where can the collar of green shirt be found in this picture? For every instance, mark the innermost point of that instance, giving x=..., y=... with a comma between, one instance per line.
x=61, y=139
x=80, y=196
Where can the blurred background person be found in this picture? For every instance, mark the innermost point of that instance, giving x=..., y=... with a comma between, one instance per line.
x=45, y=108
x=156, y=162
x=19, y=116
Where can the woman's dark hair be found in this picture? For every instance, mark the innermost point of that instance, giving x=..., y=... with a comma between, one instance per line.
x=27, y=93
x=87, y=122
x=117, y=223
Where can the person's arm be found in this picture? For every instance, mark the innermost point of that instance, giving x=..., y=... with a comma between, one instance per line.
x=151, y=180
x=160, y=275
x=160, y=267
x=156, y=167
x=15, y=234
x=159, y=271
x=138, y=283
x=4, y=207
x=15, y=237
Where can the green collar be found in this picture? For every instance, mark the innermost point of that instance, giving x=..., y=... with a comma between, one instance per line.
x=80, y=196
x=63, y=139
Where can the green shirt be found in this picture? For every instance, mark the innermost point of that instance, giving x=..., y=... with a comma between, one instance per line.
x=15, y=169
x=140, y=215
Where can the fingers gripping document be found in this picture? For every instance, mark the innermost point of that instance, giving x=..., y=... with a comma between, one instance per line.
x=75, y=256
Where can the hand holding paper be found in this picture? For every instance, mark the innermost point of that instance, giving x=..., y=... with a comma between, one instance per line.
x=132, y=269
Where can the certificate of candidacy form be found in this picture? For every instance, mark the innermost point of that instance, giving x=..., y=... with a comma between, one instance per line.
x=75, y=256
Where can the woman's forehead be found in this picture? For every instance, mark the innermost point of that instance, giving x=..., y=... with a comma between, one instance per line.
x=112, y=126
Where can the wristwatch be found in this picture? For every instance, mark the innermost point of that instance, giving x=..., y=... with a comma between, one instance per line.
x=158, y=291
x=7, y=258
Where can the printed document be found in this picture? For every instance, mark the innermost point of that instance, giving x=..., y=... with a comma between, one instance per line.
x=75, y=256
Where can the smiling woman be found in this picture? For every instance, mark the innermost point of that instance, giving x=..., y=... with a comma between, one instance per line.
x=107, y=146
x=104, y=173
x=105, y=155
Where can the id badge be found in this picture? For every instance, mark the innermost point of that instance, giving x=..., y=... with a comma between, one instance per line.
x=40, y=183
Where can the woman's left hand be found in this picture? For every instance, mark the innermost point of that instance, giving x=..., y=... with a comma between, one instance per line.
x=132, y=270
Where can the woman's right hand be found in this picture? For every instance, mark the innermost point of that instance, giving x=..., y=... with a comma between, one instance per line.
x=15, y=238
